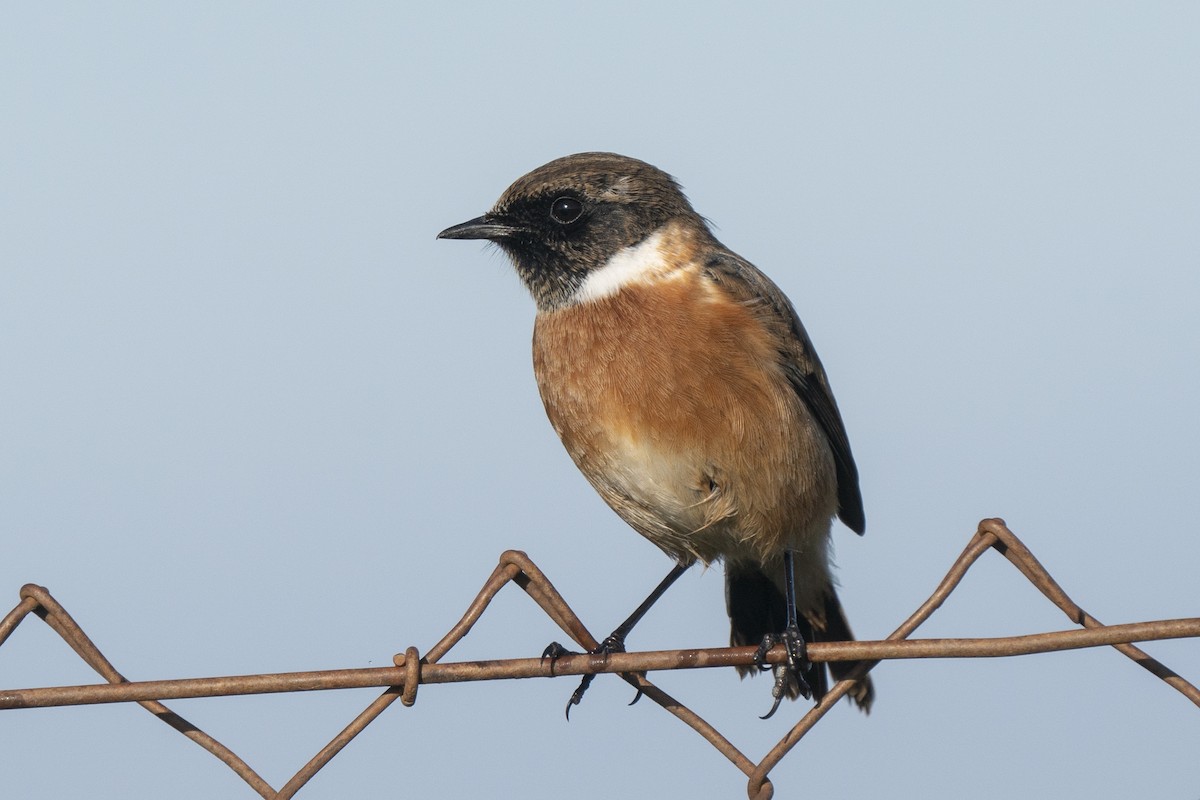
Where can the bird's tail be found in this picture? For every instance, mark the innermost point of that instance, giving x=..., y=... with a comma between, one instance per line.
x=757, y=608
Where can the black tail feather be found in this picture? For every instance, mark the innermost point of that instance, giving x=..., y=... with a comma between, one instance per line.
x=837, y=629
x=757, y=608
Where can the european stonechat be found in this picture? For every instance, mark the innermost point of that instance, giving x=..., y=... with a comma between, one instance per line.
x=685, y=388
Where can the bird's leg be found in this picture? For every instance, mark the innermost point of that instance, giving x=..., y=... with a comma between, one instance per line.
x=615, y=641
x=790, y=638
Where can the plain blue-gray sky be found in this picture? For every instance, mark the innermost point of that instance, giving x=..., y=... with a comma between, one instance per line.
x=253, y=417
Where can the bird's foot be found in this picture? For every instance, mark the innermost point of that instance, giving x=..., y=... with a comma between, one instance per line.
x=613, y=643
x=554, y=651
x=791, y=670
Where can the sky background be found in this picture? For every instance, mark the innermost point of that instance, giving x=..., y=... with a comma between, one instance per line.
x=255, y=418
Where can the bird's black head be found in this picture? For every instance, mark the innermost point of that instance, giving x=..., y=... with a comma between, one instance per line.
x=569, y=217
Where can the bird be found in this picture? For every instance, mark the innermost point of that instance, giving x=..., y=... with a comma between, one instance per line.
x=685, y=388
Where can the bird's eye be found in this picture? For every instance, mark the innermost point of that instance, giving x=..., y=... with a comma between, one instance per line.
x=566, y=210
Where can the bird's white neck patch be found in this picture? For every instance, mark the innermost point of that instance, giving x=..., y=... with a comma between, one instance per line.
x=640, y=262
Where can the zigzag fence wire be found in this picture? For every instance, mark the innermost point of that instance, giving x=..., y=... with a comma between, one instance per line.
x=401, y=681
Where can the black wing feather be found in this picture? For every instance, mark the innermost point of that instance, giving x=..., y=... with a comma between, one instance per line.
x=804, y=372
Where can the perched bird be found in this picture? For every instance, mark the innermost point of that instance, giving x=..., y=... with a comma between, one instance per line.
x=684, y=387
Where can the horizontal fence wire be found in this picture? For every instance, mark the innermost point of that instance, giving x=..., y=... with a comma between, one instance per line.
x=401, y=681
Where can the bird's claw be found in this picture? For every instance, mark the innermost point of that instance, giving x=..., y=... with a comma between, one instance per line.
x=555, y=651
x=760, y=655
x=794, y=668
x=611, y=644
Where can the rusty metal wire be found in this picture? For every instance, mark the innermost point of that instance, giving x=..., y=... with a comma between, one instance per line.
x=411, y=670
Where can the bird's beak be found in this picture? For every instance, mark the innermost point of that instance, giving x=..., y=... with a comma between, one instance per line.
x=485, y=227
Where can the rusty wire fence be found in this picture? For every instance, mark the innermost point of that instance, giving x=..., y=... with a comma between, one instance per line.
x=401, y=682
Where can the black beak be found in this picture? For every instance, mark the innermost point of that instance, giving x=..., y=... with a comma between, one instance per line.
x=485, y=227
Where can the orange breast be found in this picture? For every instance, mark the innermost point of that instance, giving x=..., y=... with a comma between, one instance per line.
x=671, y=400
